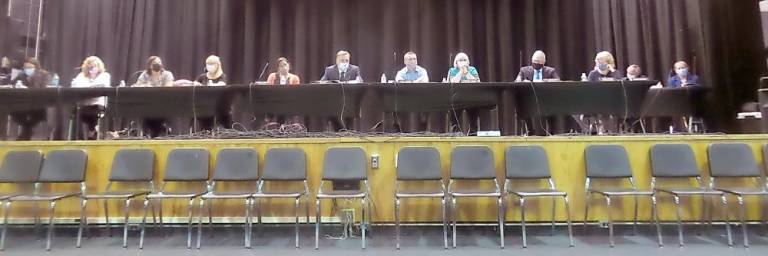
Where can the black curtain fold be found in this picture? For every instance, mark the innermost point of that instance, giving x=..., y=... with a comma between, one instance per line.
x=721, y=39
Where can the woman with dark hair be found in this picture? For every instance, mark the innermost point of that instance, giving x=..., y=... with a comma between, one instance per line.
x=33, y=76
x=155, y=75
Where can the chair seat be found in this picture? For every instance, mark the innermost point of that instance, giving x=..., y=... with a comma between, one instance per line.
x=689, y=191
x=415, y=193
x=227, y=194
x=279, y=194
x=621, y=192
x=44, y=196
x=175, y=194
x=538, y=192
x=341, y=194
x=474, y=193
x=114, y=194
x=744, y=191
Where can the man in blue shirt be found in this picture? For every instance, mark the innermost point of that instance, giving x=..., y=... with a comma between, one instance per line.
x=681, y=76
x=412, y=72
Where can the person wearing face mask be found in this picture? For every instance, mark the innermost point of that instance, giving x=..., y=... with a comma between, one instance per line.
x=412, y=72
x=634, y=73
x=93, y=74
x=537, y=71
x=605, y=68
x=681, y=76
x=155, y=75
x=283, y=76
x=462, y=72
x=33, y=76
x=214, y=74
x=342, y=71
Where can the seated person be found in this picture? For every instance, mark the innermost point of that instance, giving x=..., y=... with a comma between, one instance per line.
x=33, y=76
x=462, y=72
x=605, y=68
x=412, y=72
x=342, y=71
x=537, y=71
x=681, y=77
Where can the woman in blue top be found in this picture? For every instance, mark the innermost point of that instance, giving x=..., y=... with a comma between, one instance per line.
x=462, y=72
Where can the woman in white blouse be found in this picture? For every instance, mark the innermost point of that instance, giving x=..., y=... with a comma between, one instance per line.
x=92, y=74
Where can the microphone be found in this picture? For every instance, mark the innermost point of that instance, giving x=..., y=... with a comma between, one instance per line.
x=263, y=70
x=394, y=65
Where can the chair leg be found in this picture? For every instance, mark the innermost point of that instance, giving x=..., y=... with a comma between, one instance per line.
x=83, y=201
x=724, y=201
x=587, y=201
x=445, y=223
x=763, y=212
x=500, y=205
x=610, y=221
x=210, y=218
x=554, y=215
x=296, y=226
x=397, y=223
x=317, y=224
x=742, y=216
x=143, y=223
x=189, y=222
x=160, y=213
x=702, y=220
x=679, y=222
x=362, y=220
x=200, y=222
x=568, y=219
x=154, y=218
x=106, y=217
x=125, y=222
x=52, y=208
x=634, y=226
x=306, y=205
x=522, y=222
x=453, y=219
x=248, y=234
x=655, y=216
x=6, y=212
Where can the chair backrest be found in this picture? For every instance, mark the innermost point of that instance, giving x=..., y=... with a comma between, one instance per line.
x=133, y=165
x=673, y=161
x=732, y=160
x=21, y=166
x=607, y=161
x=527, y=162
x=285, y=164
x=236, y=164
x=187, y=164
x=345, y=163
x=472, y=162
x=64, y=165
x=418, y=163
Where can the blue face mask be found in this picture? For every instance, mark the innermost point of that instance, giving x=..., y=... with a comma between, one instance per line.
x=29, y=71
x=683, y=72
x=602, y=66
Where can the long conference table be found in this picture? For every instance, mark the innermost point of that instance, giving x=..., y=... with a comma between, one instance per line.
x=367, y=103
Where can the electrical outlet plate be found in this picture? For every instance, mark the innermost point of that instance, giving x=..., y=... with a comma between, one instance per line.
x=375, y=161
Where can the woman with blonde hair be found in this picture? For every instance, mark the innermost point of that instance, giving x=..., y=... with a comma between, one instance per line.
x=93, y=73
x=605, y=68
x=214, y=74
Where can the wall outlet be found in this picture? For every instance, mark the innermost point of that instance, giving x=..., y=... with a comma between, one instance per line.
x=375, y=161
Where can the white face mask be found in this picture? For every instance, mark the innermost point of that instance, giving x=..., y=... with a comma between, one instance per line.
x=343, y=66
x=462, y=63
x=210, y=68
x=631, y=77
x=29, y=71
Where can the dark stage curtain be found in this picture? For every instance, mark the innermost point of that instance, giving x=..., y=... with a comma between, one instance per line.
x=721, y=39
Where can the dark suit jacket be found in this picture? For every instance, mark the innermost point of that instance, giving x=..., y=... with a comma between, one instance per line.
x=526, y=73
x=332, y=73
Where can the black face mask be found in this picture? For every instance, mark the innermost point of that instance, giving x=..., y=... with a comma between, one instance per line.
x=157, y=67
x=537, y=66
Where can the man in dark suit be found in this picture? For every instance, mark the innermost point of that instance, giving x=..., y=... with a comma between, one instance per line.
x=537, y=71
x=343, y=71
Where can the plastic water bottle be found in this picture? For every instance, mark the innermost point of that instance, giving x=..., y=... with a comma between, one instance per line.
x=55, y=80
x=210, y=82
x=19, y=84
x=122, y=83
x=383, y=78
x=583, y=77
